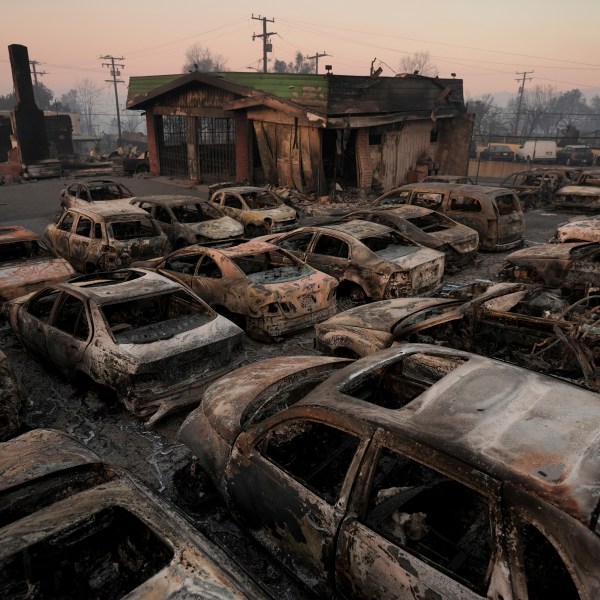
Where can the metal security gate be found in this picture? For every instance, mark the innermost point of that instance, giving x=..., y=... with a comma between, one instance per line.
x=172, y=146
x=216, y=149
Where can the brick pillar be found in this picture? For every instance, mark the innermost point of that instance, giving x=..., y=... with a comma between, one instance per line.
x=242, y=147
x=154, y=130
x=364, y=168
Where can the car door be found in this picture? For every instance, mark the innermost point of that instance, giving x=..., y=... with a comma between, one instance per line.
x=208, y=282
x=70, y=333
x=418, y=531
x=34, y=320
x=330, y=254
x=81, y=242
x=165, y=221
x=60, y=234
x=289, y=484
x=296, y=243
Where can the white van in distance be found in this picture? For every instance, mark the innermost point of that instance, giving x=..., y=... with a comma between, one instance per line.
x=537, y=151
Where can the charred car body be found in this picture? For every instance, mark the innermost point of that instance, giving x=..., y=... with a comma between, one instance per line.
x=259, y=210
x=265, y=289
x=189, y=220
x=89, y=192
x=495, y=213
x=578, y=230
x=583, y=195
x=371, y=261
x=27, y=263
x=526, y=325
x=106, y=237
x=430, y=228
x=417, y=472
x=74, y=527
x=536, y=187
x=572, y=267
x=146, y=337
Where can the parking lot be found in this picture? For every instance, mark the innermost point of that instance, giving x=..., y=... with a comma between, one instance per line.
x=94, y=418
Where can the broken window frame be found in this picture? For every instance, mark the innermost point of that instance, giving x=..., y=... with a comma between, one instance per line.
x=481, y=483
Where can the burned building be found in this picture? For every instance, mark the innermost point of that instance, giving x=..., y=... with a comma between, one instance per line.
x=303, y=131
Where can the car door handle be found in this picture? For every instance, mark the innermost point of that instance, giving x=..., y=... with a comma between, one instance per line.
x=310, y=520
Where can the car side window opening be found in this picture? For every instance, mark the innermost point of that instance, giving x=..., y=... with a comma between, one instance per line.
x=315, y=454
x=465, y=204
x=331, y=246
x=396, y=198
x=84, y=227
x=162, y=214
x=298, y=242
x=67, y=222
x=71, y=317
x=233, y=202
x=428, y=199
x=545, y=572
x=41, y=305
x=185, y=263
x=98, y=231
x=207, y=267
x=441, y=521
x=395, y=384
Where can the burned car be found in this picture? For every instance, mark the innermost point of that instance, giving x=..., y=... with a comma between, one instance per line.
x=189, y=220
x=260, y=210
x=446, y=179
x=536, y=187
x=578, y=230
x=86, y=193
x=526, y=325
x=416, y=472
x=11, y=400
x=494, y=213
x=105, y=238
x=430, y=228
x=74, y=527
x=572, y=267
x=148, y=338
x=27, y=263
x=371, y=261
x=582, y=195
x=266, y=290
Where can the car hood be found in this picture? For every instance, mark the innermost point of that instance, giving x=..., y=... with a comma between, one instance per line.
x=217, y=229
x=543, y=252
x=578, y=190
x=383, y=315
x=232, y=400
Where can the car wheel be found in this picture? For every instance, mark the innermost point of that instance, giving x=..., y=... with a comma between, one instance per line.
x=142, y=169
x=180, y=244
x=90, y=268
x=354, y=293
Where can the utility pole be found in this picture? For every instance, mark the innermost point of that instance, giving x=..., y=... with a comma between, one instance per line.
x=521, y=92
x=114, y=71
x=267, y=47
x=316, y=57
x=35, y=73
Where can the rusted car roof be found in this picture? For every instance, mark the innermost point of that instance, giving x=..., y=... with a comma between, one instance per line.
x=116, y=208
x=72, y=499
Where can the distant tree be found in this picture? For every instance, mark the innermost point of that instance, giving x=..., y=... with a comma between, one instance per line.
x=419, y=61
x=489, y=119
x=299, y=65
x=43, y=96
x=132, y=121
x=8, y=102
x=68, y=102
x=198, y=58
x=88, y=95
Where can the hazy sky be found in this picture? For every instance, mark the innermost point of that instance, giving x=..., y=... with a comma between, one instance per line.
x=485, y=43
